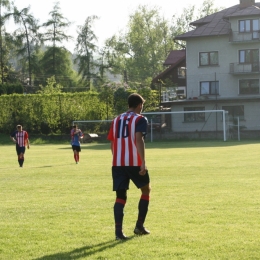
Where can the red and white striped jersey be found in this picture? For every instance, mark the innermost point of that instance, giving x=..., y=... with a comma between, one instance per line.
x=122, y=134
x=21, y=137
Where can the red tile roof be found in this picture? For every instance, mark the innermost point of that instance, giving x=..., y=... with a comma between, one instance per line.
x=175, y=56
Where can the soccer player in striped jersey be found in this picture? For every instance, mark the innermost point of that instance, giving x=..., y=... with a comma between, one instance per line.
x=21, y=138
x=76, y=134
x=126, y=134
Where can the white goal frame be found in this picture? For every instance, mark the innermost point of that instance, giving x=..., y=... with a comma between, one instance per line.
x=223, y=112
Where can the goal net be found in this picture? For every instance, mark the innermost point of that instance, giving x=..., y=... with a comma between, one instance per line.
x=181, y=125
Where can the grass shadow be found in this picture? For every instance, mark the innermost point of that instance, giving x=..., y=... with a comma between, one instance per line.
x=84, y=251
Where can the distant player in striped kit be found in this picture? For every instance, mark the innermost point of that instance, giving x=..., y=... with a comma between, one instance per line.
x=126, y=134
x=21, y=138
x=76, y=134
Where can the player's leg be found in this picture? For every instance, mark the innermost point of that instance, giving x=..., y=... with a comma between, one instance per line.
x=74, y=152
x=143, y=183
x=142, y=210
x=120, y=186
x=75, y=155
x=121, y=196
x=20, y=153
x=78, y=151
x=21, y=159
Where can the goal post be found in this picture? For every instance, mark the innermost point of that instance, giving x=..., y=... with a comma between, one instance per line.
x=162, y=125
x=223, y=113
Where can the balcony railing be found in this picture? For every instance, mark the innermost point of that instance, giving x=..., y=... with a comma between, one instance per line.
x=243, y=68
x=237, y=37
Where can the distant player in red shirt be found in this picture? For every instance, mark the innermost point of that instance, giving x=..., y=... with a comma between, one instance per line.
x=126, y=134
x=21, y=138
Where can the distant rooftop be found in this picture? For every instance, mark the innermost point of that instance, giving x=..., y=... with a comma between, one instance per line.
x=217, y=23
x=175, y=56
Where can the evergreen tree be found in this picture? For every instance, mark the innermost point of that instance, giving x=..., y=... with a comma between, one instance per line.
x=55, y=33
x=85, y=50
x=5, y=4
x=25, y=37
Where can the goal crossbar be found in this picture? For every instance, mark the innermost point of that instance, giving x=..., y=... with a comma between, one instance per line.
x=224, y=112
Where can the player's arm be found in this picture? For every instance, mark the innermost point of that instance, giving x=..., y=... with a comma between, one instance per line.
x=26, y=137
x=12, y=138
x=81, y=135
x=141, y=151
x=71, y=136
x=111, y=146
x=110, y=137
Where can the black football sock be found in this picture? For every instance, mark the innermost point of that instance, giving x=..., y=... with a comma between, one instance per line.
x=20, y=162
x=119, y=215
x=143, y=209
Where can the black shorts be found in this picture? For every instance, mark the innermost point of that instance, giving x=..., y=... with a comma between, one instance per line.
x=76, y=148
x=19, y=149
x=123, y=174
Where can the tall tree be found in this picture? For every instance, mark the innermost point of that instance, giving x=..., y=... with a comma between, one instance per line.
x=138, y=54
x=26, y=35
x=181, y=23
x=5, y=4
x=55, y=33
x=85, y=49
x=64, y=74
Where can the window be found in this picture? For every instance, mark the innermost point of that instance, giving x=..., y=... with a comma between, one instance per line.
x=208, y=58
x=181, y=72
x=194, y=117
x=248, y=25
x=249, y=56
x=234, y=112
x=209, y=88
x=249, y=86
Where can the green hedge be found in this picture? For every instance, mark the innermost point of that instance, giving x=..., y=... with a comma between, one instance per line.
x=45, y=114
x=53, y=113
x=11, y=88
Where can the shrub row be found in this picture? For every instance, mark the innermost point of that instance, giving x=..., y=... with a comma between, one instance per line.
x=45, y=114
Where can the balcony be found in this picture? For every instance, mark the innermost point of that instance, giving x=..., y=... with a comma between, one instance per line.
x=241, y=37
x=244, y=68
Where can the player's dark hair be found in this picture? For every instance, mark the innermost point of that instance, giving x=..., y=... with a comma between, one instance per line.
x=134, y=100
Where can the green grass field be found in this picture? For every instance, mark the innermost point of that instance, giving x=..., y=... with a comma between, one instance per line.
x=205, y=203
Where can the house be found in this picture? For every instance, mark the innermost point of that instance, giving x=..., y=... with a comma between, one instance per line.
x=175, y=73
x=222, y=61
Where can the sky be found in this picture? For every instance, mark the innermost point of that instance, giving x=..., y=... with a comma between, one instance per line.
x=113, y=14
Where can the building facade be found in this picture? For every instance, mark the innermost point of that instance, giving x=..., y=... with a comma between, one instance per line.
x=223, y=71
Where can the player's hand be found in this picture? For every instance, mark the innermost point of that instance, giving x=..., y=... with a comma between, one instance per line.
x=28, y=146
x=143, y=172
x=143, y=169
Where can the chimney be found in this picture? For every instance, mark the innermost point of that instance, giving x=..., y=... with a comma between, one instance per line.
x=246, y=3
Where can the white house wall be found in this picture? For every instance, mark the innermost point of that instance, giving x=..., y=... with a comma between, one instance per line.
x=251, y=118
